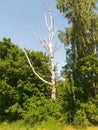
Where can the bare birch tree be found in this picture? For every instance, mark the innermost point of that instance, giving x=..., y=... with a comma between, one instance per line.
x=49, y=46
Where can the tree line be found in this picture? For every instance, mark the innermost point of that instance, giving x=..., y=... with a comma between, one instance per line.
x=24, y=96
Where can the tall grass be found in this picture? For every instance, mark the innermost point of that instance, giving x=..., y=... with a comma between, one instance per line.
x=50, y=125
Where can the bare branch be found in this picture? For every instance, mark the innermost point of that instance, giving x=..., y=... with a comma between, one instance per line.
x=49, y=47
x=42, y=40
x=51, y=19
x=36, y=35
x=33, y=68
x=46, y=21
x=56, y=48
x=47, y=66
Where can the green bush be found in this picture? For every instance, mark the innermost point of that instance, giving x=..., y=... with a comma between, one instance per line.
x=80, y=119
x=91, y=111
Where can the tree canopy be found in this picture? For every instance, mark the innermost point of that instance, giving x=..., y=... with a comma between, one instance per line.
x=17, y=82
x=81, y=43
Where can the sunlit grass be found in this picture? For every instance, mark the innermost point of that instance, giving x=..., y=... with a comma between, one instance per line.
x=87, y=128
x=43, y=126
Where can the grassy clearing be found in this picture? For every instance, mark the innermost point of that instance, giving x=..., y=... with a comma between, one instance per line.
x=44, y=126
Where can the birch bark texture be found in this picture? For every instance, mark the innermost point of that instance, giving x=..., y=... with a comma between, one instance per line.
x=49, y=46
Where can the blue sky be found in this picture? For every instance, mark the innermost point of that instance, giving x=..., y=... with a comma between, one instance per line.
x=19, y=16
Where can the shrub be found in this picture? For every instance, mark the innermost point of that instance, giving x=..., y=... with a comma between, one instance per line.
x=91, y=111
x=80, y=119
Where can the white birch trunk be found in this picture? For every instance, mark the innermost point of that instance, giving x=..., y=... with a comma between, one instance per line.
x=52, y=66
x=49, y=47
x=51, y=52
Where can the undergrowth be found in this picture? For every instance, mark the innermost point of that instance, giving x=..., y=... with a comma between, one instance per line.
x=51, y=124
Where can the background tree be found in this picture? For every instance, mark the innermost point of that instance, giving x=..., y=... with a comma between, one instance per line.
x=81, y=42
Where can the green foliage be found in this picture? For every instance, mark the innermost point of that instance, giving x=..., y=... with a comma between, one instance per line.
x=80, y=119
x=81, y=70
x=66, y=101
x=41, y=109
x=17, y=82
x=91, y=111
x=22, y=94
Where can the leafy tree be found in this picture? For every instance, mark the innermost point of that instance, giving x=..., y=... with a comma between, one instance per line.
x=81, y=42
x=17, y=83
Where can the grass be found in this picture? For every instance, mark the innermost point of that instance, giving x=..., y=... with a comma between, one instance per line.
x=43, y=126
